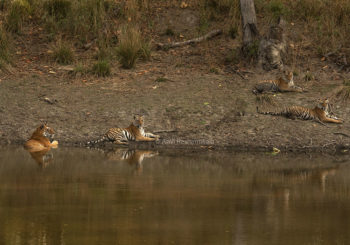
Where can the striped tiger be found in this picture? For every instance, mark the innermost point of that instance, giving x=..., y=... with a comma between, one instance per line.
x=41, y=139
x=279, y=85
x=321, y=113
x=135, y=132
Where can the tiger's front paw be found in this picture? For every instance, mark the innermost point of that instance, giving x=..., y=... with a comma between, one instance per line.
x=54, y=144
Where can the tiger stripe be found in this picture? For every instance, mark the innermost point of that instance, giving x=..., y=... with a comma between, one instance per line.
x=135, y=132
x=279, y=85
x=320, y=113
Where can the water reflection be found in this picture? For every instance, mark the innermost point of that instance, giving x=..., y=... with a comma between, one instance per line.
x=131, y=156
x=43, y=158
x=317, y=175
x=93, y=197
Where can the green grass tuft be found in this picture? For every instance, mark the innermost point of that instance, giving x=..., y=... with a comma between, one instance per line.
x=101, y=68
x=63, y=54
x=160, y=80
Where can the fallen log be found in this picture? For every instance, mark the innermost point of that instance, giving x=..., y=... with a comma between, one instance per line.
x=166, y=46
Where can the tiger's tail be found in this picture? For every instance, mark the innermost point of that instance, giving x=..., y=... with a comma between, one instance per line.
x=279, y=113
x=100, y=140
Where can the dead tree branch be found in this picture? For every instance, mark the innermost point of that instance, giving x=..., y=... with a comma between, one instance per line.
x=209, y=35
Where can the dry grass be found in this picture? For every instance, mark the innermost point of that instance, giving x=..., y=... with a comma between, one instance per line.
x=325, y=21
x=63, y=53
x=131, y=47
x=18, y=11
x=4, y=47
x=343, y=94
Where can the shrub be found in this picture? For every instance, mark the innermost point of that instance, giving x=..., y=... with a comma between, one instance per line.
x=132, y=47
x=169, y=32
x=101, y=68
x=58, y=8
x=63, y=53
x=277, y=9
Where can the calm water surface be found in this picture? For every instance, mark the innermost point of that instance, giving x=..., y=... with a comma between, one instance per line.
x=81, y=196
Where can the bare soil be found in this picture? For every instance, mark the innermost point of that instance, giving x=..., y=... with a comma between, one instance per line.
x=200, y=102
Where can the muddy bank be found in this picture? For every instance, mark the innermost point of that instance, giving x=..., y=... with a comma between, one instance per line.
x=199, y=110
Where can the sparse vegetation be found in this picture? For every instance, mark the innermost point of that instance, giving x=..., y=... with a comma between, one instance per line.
x=169, y=32
x=232, y=57
x=308, y=76
x=101, y=68
x=85, y=21
x=325, y=21
x=145, y=51
x=252, y=51
x=346, y=82
x=214, y=70
x=277, y=9
x=79, y=69
x=63, y=53
x=161, y=80
x=343, y=95
x=233, y=32
x=4, y=48
x=17, y=13
x=59, y=9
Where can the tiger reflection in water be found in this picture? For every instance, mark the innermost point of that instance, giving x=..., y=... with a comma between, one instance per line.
x=43, y=158
x=131, y=156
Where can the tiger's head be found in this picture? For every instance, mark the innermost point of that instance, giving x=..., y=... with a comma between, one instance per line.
x=138, y=121
x=323, y=104
x=289, y=76
x=44, y=131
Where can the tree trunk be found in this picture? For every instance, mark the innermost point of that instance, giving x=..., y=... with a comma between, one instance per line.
x=249, y=26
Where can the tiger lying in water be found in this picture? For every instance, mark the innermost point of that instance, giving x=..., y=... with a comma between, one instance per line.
x=279, y=85
x=135, y=132
x=321, y=113
x=40, y=139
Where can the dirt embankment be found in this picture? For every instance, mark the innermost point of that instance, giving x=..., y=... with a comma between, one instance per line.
x=198, y=101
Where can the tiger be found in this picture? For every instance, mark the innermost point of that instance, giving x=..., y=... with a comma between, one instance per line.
x=41, y=139
x=279, y=85
x=122, y=136
x=321, y=113
x=273, y=48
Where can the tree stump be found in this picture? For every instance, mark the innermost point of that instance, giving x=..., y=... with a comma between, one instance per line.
x=249, y=26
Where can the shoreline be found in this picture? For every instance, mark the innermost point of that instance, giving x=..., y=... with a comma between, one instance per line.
x=234, y=148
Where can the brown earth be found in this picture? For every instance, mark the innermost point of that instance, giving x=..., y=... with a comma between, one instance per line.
x=201, y=100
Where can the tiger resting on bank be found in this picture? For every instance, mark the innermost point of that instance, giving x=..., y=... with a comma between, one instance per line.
x=41, y=139
x=278, y=85
x=321, y=113
x=135, y=132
